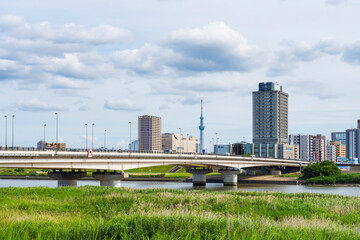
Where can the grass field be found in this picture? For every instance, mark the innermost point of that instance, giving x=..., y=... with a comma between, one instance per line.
x=119, y=213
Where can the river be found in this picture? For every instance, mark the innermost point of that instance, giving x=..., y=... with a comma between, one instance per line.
x=342, y=190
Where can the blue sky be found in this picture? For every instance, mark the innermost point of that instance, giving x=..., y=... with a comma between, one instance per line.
x=108, y=62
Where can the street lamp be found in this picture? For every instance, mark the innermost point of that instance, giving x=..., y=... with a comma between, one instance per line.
x=5, y=132
x=187, y=143
x=130, y=136
x=104, y=139
x=57, y=131
x=213, y=144
x=13, y=117
x=180, y=139
x=86, y=136
x=92, y=136
x=44, y=132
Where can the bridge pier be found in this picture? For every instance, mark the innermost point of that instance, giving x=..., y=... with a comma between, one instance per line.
x=230, y=176
x=66, y=179
x=275, y=171
x=109, y=179
x=199, y=175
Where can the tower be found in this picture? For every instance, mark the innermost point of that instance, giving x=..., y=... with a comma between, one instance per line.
x=201, y=127
x=270, y=114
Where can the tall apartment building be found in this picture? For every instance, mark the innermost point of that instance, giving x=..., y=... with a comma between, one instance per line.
x=270, y=114
x=304, y=143
x=331, y=153
x=149, y=133
x=353, y=143
x=318, y=148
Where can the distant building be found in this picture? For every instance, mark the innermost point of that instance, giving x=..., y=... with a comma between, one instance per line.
x=304, y=143
x=149, y=133
x=51, y=146
x=175, y=142
x=339, y=136
x=282, y=151
x=270, y=114
x=318, y=148
x=353, y=143
x=222, y=149
x=296, y=152
x=339, y=148
x=331, y=153
x=134, y=146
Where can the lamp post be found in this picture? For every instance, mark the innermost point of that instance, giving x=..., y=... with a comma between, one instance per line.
x=92, y=136
x=44, y=133
x=213, y=144
x=104, y=139
x=180, y=139
x=130, y=137
x=5, y=132
x=13, y=117
x=57, y=131
x=187, y=142
x=86, y=136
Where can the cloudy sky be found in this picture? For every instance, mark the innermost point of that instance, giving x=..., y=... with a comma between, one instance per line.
x=107, y=62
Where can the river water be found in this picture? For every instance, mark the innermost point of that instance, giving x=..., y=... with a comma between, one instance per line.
x=343, y=190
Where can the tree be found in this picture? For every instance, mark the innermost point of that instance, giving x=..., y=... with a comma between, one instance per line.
x=325, y=168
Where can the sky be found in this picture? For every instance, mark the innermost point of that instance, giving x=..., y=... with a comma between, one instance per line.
x=108, y=62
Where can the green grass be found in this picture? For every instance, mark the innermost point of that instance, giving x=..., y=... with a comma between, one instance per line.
x=298, y=174
x=177, y=175
x=155, y=169
x=119, y=213
x=22, y=172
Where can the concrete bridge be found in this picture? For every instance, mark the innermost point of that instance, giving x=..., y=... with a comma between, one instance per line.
x=117, y=163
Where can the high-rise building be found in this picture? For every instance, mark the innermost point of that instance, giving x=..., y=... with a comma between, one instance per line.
x=339, y=136
x=270, y=114
x=353, y=143
x=331, y=153
x=149, y=133
x=305, y=145
x=318, y=148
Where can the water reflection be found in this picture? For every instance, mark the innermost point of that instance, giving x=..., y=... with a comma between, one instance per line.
x=348, y=191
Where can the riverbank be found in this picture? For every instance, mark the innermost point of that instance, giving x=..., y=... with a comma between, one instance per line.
x=120, y=213
x=264, y=179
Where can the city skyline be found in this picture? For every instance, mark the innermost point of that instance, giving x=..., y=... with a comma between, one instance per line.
x=108, y=63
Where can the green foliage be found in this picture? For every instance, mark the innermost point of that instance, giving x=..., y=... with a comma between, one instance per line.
x=19, y=170
x=119, y=213
x=325, y=168
x=349, y=178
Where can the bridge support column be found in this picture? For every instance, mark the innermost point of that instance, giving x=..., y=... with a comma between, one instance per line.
x=66, y=179
x=109, y=179
x=230, y=176
x=199, y=175
x=275, y=171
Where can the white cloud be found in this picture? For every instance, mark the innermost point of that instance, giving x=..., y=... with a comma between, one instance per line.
x=335, y=2
x=150, y=59
x=122, y=105
x=17, y=27
x=213, y=48
x=291, y=53
x=34, y=105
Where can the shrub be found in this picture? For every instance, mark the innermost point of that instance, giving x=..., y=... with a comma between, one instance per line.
x=325, y=168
